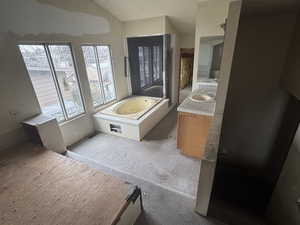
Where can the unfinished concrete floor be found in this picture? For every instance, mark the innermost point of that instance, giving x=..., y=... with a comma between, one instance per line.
x=155, y=159
x=161, y=206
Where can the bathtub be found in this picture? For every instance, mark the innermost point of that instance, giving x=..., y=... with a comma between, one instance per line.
x=132, y=117
x=133, y=107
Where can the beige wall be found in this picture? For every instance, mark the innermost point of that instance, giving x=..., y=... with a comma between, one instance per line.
x=209, y=17
x=144, y=27
x=168, y=27
x=48, y=21
x=187, y=41
x=175, y=45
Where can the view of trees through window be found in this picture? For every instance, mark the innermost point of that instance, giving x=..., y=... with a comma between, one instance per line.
x=51, y=70
x=100, y=74
x=150, y=65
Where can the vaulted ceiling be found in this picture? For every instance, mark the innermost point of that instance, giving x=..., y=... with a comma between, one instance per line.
x=181, y=12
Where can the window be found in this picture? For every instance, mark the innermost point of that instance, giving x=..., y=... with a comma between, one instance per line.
x=100, y=73
x=157, y=70
x=54, y=79
x=150, y=65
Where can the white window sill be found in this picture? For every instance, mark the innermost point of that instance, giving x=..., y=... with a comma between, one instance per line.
x=80, y=116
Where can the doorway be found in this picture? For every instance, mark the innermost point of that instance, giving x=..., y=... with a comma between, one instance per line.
x=186, y=72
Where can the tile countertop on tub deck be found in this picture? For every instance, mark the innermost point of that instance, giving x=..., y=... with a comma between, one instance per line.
x=201, y=108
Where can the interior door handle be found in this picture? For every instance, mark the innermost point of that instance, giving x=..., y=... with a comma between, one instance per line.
x=298, y=203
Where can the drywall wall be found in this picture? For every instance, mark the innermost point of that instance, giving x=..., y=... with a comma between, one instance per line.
x=17, y=100
x=62, y=21
x=144, y=27
x=255, y=101
x=283, y=208
x=253, y=117
x=209, y=17
x=175, y=47
x=254, y=107
x=51, y=21
x=291, y=79
x=187, y=41
x=208, y=165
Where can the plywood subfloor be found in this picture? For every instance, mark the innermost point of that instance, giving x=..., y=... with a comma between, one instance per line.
x=42, y=187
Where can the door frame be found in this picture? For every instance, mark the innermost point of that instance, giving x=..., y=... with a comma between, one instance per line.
x=184, y=52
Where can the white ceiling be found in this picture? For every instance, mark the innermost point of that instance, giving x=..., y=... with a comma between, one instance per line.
x=181, y=12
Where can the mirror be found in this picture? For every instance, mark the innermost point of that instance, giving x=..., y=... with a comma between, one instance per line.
x=210, y=57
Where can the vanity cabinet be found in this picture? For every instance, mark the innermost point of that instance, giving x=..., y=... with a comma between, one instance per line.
x=192, y=132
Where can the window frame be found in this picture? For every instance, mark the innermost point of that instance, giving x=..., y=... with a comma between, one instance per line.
x=95, y=45
x=54, y=76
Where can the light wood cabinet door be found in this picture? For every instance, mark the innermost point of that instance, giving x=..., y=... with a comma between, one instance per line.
x=192, y=132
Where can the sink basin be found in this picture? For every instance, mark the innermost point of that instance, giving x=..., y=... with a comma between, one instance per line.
x=201, y=98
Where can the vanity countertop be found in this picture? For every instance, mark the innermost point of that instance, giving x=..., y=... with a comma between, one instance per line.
x=200, y=108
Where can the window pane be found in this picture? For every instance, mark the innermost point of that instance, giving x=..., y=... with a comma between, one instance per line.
x=67, y=79
x=106, y=72
x=147, y=65
x=156, y=63
x=92, y=73
x=142, y=67
x=40, y=74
